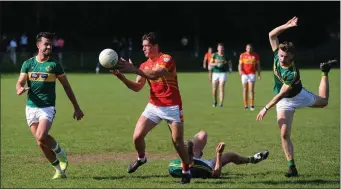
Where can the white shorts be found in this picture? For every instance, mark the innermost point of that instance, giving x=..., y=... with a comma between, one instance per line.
x=207, y=162
x=248, y=78
x=221, y=77
x=34, y=115
x=301, y=100
x=167, y=113
x=210, y=66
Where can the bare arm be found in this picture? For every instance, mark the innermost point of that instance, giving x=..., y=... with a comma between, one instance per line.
x=154, y=74
x=21, y=83
x=68, y=90
x=273, y=35
x=204, y=62
x=258, y=67
x=219, y=164
x=283, y=92
x=134, y=86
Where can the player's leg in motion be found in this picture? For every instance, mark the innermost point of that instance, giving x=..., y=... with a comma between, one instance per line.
x=214, y=91
x=143, y=126
x=49, y=146
x=252, y=94
x=221, y=91
x=284, y=120
x=177, y=129
x=199, y=143
x=322, y=98
x=245, y=94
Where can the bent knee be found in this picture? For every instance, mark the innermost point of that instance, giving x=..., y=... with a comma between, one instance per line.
x=320, y=103
x=202, y=135
x=40, y=137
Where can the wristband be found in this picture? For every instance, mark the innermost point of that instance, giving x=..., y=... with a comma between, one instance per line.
x=266, y=109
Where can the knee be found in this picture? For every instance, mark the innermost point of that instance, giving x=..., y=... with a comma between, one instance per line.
x=202, y=135
x=40, y=137
x=285, y=135
x=324, y=103
x=137, y=137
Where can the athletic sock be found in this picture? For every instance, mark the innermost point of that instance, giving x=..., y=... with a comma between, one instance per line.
x=251, y=102
x=185, y=169
x=291, y=163
x=245, y=103
x=58, y=150
x=56, y=165
x=141, y=156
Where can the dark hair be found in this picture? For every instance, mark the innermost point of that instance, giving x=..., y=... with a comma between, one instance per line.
x=220, y=44
x=189, y=145
x=287, y=47
x=47, y=35
x=151, y=37
x=249, y=44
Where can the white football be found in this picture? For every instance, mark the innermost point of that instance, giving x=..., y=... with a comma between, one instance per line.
x=108, y=58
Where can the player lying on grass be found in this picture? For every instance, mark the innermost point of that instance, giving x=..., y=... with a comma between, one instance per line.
x=289, y=91
x=210, y=168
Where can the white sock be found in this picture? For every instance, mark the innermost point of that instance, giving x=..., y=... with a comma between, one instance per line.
x=57, y=167
x=61, y=152
x=142, y=159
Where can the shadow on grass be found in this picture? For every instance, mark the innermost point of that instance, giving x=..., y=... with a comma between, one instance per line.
x=313, y=181
x=130, y=176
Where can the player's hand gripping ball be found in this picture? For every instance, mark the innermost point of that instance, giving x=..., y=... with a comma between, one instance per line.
x=108, y=58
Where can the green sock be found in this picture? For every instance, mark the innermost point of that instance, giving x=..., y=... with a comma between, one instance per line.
x=325, y=74
x=291, y=162
x=251, y=159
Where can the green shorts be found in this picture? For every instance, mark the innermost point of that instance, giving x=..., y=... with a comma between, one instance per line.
x=199, y=169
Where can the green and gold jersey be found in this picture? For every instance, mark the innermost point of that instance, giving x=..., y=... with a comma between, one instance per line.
x=41, y=78
x=287, y=76
x=219, y=62
x=199, y=169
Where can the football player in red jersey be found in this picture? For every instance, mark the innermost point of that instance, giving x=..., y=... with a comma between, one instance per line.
x=164, y=102
x=248, y=66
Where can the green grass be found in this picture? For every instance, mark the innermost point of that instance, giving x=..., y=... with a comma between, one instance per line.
x=100, y=146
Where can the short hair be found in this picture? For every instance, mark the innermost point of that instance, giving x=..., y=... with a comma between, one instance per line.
x=220, y=44
x=249, y=44
x=47, y=35
x=287, y=47
x=151, y=37
x=189, y=146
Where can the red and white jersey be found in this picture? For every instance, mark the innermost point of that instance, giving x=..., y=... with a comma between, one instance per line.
x=249, y=61
x=165, y=90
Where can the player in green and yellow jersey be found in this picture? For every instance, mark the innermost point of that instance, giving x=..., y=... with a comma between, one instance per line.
x=210, y=168
x=217, y=73
x=41, y=73
x=289, y=92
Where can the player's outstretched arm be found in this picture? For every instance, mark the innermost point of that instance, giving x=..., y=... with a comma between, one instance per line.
x=273, y=35
x=219, y=163
x=134, y=86
x=283, y=92
x=21, y=83
x=78, y=114
x=155, y=73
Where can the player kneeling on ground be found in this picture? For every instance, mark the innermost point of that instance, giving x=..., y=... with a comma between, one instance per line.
x=210, y=168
